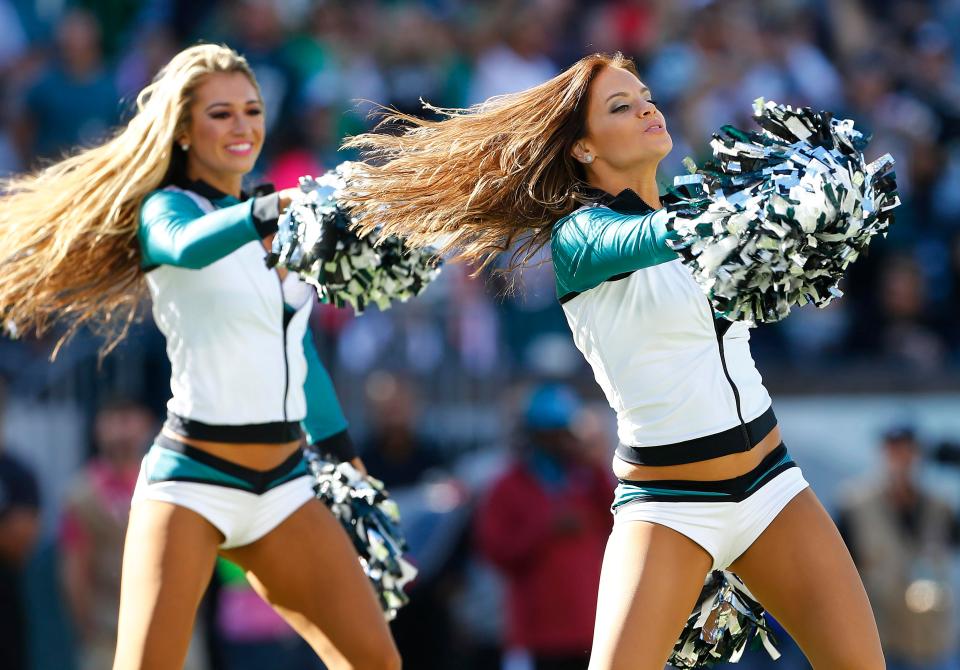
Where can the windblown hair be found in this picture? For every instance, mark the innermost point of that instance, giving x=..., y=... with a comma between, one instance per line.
x=481, y=180
x=68, y=232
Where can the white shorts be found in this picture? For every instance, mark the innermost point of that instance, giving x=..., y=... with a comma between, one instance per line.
x=243, y=504
x=724, y=517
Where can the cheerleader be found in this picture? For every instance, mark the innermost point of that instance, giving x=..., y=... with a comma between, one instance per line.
x=159, y=207
x=705, y=480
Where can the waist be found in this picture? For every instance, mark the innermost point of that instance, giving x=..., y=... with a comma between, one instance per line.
x=239, y=470
x=711, y=467
x=727, y=489
x=261, y=448
x=273, y=432
x=253, y=456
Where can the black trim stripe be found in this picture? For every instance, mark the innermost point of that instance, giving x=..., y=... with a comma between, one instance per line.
x=721, y=326
x=736, y=489
x=567, y=297
x=259, y=480
x=275, y=432
x=704, y=448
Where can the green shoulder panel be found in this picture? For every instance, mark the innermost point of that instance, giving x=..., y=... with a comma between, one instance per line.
x=595, y=244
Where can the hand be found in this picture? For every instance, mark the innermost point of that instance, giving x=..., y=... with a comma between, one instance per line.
x=286, y=196
x=358, y=464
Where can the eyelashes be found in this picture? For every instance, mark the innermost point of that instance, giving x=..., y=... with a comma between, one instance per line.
x=620, y=108
x=226, y=115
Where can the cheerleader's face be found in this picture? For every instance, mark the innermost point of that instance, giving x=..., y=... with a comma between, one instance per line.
x=226, y=130
x=625, y=130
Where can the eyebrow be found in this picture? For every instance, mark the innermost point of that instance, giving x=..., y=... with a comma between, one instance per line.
x=227, y=104
x=643, y=91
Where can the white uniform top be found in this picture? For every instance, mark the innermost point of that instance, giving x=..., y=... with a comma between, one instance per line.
x=237, y=337
x=683, y=383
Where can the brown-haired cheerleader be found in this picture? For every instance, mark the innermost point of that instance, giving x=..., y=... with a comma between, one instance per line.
x=160, y=207
x=705, y=480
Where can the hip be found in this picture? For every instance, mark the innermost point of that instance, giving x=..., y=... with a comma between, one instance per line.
x=722, y=467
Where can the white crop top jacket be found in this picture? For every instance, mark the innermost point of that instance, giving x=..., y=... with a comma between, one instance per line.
x=682, y=382
x=244, y=367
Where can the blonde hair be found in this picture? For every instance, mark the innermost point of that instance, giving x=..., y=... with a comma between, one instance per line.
x=481, y=180
x=68, y=233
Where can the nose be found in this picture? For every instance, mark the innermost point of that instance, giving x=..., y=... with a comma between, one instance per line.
x=646, y=109
x=241, y=124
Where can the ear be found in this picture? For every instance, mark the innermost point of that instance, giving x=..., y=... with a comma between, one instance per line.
x=581, y=152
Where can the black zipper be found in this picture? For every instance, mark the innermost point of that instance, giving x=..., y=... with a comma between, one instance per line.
x=726, y=372
x=286, y=363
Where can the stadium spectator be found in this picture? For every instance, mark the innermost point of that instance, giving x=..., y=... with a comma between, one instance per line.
x=74, y=100
x=19, y=530
x=544, y=525
x=903, y=538
x=93, y=525
x=395, y=449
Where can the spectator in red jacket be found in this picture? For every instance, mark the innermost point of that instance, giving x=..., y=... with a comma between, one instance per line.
x=544, y=525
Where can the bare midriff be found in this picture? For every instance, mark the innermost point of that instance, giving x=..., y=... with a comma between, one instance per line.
x=253, y=455
x=722, y=467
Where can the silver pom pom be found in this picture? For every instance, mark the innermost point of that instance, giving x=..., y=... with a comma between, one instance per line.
x=779, y=215
x=372, y=521
x=315, y=240
x=725, y=621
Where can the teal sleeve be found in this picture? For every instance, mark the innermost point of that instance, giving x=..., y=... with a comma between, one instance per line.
x=593, y=245
x=175, y=231
x=324, y=416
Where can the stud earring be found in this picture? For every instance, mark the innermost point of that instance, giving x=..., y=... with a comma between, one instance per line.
x=184, y=146
x=588, y=158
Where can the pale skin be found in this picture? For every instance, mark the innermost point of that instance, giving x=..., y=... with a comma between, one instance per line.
x=799, y=567
x=306, y=568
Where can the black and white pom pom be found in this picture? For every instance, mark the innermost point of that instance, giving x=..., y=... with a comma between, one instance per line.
x=777, y=217
x=726, y=620
x=315, y=240
x=372, y=520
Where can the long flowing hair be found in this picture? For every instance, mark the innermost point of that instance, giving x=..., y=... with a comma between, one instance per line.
x=482, y=180
x=68, y=232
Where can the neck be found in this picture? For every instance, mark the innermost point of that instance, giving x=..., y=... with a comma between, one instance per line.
x=228, y=183
x=642, y=181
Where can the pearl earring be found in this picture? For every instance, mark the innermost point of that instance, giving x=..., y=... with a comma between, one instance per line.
x=185, y=147
x=588, y=158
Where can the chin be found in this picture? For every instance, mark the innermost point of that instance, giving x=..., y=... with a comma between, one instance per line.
x=666, y=146
x=240, y=165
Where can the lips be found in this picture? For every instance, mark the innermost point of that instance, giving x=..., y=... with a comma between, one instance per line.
x=655, y=127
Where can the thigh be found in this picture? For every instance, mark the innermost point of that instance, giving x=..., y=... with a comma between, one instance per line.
x=649, y=584
x=168, y=559
x=308, y=570
x=802, y=573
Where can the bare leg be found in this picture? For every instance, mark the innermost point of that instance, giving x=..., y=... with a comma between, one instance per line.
x=801, y=572
x=308, y=571
x=168, y=558
x=649, y=585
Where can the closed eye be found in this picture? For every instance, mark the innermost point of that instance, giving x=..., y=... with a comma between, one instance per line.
x=256, y=111
x=220, y=115
x=619, y=108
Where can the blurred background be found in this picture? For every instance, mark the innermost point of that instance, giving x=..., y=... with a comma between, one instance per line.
x=471, y=402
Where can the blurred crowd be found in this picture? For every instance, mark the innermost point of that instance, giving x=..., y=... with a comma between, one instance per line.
x=70, y=70
x=426, y=383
